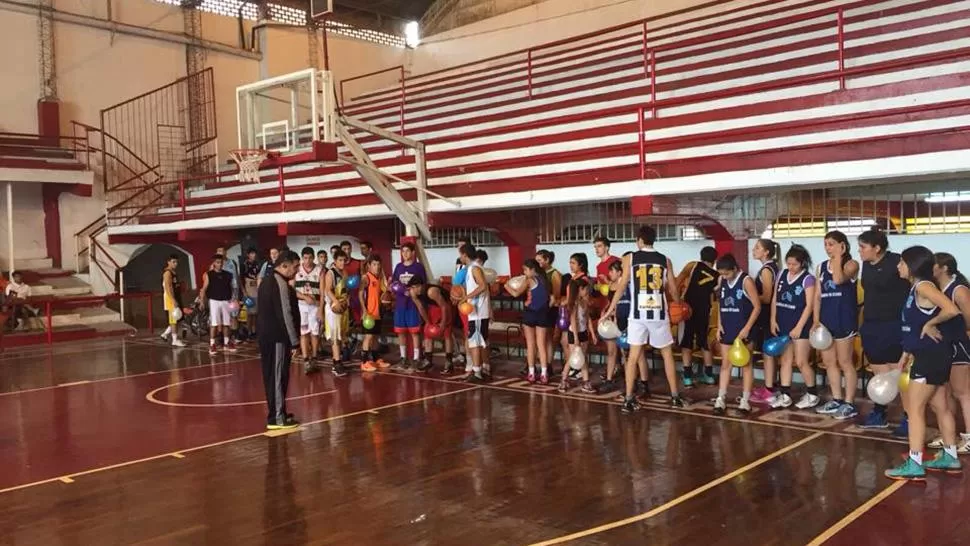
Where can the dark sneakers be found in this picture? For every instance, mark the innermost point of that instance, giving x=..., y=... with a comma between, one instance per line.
x=286, y=423
x=338, y=369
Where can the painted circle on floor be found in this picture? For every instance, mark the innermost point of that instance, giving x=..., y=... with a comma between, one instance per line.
x=151, y=396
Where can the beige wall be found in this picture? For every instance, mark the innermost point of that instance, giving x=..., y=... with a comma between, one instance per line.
x=537, y=24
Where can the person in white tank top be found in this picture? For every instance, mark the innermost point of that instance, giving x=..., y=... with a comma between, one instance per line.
x=477, y=294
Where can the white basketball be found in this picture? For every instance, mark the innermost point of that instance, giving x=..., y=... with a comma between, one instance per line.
x=607, y=329
x=490, y=275
x=517, y=283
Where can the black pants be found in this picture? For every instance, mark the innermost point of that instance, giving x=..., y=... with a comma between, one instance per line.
x=275, y=358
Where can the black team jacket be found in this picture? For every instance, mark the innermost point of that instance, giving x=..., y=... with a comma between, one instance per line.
x=278, y=320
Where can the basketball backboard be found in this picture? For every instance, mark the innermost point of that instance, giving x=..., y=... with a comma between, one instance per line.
x=319, y=9
x=287, y=113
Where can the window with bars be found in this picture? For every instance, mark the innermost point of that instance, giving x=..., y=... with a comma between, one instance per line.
x=614, y=220
x=291, y=16
x=448, y=237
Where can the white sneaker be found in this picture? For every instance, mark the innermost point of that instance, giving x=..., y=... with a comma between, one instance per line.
x=719, y=406
x=164, y=336
x=963, y=446
x=808, y=400
x=780, y=400
x=936, y=443
x=176, y=342
x=744, y=405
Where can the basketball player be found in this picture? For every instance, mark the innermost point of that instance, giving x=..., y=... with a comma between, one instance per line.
x=476, y=293
x=306, y=282
x=335, y=310
x=250, y=278
x=647, y=272
x=216, y=294
x=232, y=267
x=433, y=306
x=172, y=296
x=267, y=268
x=698, y=281
x=458, y=326
x=373, y=287
x=407, y=320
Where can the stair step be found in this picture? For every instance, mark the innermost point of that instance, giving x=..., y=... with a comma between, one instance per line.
x=32, y=263
x=61, y=287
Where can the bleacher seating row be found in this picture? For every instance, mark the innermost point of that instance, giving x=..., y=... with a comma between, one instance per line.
x=747, y=89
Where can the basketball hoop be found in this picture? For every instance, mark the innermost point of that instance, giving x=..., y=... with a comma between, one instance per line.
x=249, y=161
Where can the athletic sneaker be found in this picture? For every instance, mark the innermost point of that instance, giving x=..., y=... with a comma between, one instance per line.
x=231, y=346
x=875, y=420
x=719, y=406
x=368, y=367
x=287, y=423
x=829, y=408
x=475, y=378
x=544, y=379
x=677, y=402
x=688, y=382
x=780, y=400
x=213, y=350
x=630, y=406
x=338, y=369
x=707, y=379
x=425, y=365
x=845, y=411
x=944, y=462
x=902, y=431
x=587, y=388
x=563, y=387
x=761, y=395
x=176, y=342
x=963, y=447
x=449, y=368
x=383, y=364
x=909, y=471
x=531, y=378
x=404, y=365
x=808, y=400
x=164, y=336
x=607, y=386
x=744, y=406
x=310, y=367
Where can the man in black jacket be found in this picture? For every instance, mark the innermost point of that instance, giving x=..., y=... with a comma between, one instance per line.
x=277, y=328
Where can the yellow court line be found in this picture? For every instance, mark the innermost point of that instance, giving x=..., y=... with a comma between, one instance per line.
x=65, y=479
x=688, y=413
x=855, y=514
x=681, y=499
x=119, y=377
x=223, y=442
x=178, y=455
x=151, y=396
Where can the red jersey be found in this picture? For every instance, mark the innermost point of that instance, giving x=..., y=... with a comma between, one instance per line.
x=603, y=269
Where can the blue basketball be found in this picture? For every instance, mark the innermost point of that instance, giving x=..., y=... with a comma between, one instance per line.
x=249, y=303
x=776, y=346
x=353, y=282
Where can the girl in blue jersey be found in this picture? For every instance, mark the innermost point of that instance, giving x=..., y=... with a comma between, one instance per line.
x=925, y=310
x=791, y=315
x=738, y=311
x=837, y=308
x=955, y=286
x=535, y=319
x=767, y=252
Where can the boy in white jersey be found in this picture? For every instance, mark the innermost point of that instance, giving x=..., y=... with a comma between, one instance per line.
x=307, y=285
x=335, y=310
x=477, y=294
x=647, y=273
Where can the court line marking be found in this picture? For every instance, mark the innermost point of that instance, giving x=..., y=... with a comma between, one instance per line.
x=683, y=498
x=75, y=475
x=151, y=395
x=857, y=513
x=119, y=377
x=178, y=455
x=654, y=408
x=198, y=347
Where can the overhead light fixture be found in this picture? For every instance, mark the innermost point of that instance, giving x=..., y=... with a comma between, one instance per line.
x=411, y=35
x=951, y=197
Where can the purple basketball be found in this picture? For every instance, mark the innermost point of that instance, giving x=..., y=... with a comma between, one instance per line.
x=398, y=288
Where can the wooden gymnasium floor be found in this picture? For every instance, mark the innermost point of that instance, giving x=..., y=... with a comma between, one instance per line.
x=128, y=442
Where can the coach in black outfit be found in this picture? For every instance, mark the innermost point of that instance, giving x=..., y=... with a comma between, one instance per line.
x=277, y=327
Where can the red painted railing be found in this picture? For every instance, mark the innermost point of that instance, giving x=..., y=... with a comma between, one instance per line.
x=50, y=304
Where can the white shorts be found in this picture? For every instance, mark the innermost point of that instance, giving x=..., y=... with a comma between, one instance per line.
x=334, y=324
x=309, y=322
x=219, y=313
x=654, y=333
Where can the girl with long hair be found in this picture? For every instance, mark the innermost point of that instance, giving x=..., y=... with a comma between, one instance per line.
x=579, y=335
x=738, y=308
x=578, y=269
x=837, y=309
x=767, y=252
x=955, y=286
x=546, y=258
x=791, y=316
x=925, y=311
x=535, y=319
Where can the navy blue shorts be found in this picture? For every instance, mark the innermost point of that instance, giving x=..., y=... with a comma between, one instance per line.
x=932, y=365
x=882, y=342
x=785, y=329
x=536, y=318
x=961, y=353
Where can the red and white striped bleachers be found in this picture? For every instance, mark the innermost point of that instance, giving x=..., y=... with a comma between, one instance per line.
x=757, y=88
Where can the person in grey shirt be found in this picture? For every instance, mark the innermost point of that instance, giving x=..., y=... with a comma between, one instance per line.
x=277, y=329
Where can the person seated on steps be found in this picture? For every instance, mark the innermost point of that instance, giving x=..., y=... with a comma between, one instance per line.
x=17, y=294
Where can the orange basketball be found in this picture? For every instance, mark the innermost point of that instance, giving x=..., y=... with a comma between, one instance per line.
x=457, y=292
x=678, y=311
x=466, y=308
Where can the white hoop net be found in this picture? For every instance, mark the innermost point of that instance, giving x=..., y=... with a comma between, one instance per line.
x=249, y=162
